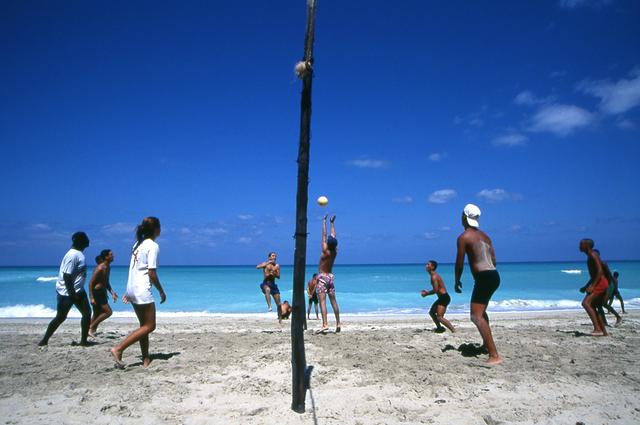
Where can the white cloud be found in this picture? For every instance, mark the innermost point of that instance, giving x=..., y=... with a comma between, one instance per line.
x=244, y=239
x=445, y=228
x=431, y=235
x=119, y=228
x=573, y=4
x=526, y=97
x=213, y=231
x=625, y=124
x=368, y=163
x=442, y=196
x=560, y=119
x=245, y=216
x=557, y=74
x=402, y=200
x=512, y=139
x=437, y=156
x=515, y=228
x=41, y=226
x=615, y=97
x=497, y=195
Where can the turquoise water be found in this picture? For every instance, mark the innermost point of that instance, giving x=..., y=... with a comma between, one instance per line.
x=381, y=289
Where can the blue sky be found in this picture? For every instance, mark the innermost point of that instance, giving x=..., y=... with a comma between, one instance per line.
x=110, y=111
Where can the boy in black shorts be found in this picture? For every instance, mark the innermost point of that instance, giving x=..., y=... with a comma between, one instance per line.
x=313, y=295
x=439, y=307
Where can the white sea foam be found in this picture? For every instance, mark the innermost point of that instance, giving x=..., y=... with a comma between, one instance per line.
x=572, y=271
x=512, y=305
x=47, y=278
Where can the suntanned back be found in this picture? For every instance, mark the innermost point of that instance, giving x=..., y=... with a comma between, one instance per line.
x=327, y=258
x=479, y=250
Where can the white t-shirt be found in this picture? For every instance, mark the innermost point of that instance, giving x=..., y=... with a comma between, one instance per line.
x=143, y=258
x=73, y=263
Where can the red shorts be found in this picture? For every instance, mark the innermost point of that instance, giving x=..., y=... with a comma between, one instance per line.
x=601, y=287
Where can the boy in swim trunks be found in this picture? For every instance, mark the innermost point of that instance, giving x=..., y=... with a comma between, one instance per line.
x=616, y=292
x=325, y=280
x=271, y=272
x=477, y=246
x=596, y=288
x=439, y=307
x=98, y=287
x=313, y=296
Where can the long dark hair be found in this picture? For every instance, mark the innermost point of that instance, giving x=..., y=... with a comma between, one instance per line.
x=146, y=229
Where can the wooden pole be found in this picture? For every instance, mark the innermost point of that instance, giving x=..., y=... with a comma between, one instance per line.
x=298, y=319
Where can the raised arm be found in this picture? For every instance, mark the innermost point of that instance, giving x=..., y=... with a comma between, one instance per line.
x=262, y=265
x=459, y=264
x=333, y=226
x=324, y=234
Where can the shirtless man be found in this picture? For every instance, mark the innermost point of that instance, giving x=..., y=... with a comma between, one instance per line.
x=596, y=288
x=616, y=292
x=313, y=296
x=285, y=310
x=271, y=271
x=605, y=305
x=325, y=281
x=482, y=260
x=98, y=287
x=439, y=307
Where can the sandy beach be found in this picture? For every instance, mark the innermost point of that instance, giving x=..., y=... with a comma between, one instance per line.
x=379, y=370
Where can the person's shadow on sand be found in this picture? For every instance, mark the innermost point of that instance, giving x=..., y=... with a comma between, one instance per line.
x=156, y=356
x=574, y=333
x=467, y=349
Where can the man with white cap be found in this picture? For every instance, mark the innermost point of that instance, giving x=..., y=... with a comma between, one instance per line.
x=477, y=246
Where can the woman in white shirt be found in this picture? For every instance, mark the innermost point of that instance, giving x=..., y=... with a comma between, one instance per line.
x=142, y=274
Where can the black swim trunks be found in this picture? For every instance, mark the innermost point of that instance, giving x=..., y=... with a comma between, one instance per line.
x=100, y=295
x=442, y=300
x=314, y=298
x=487, y=282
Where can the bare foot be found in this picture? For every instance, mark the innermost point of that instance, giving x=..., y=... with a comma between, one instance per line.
x=117, y=358
x=338, y=329
x=618, y=322
x=146, y=361
x=270, y=309
x=597, y=333
x=333, y=219
x=494, y=360
x=92, y=333
x=322, y=331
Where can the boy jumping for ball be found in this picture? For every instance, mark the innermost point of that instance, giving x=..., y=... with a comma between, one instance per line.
x=439, y=307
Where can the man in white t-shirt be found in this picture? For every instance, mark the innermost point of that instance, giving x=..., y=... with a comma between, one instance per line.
x=70, y=288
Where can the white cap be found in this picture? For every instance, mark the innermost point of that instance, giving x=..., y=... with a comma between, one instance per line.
x=472, y=213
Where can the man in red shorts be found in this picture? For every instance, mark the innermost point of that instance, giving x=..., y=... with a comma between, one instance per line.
x=596, y=288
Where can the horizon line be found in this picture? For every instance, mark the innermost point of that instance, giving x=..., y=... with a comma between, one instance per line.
x=344, y=264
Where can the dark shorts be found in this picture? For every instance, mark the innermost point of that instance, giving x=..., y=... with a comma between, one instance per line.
x=273, y=288
x=442, y=300
x=64, y=304
x=486, y=284
x=101, y=297
x=314, y=298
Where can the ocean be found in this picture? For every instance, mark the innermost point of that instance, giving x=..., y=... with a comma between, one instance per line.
x=360, y=289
